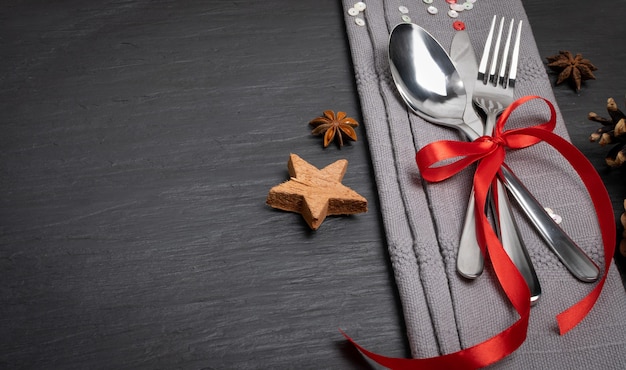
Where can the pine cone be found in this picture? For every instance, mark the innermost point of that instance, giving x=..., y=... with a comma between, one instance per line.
x=613, y=131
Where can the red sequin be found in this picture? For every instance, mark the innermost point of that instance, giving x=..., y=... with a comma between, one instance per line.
x=458, y=25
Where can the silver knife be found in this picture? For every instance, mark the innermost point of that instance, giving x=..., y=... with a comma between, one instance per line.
x=463, y=57
x=469, y=259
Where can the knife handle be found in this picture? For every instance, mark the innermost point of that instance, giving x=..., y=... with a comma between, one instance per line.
x=513, y=243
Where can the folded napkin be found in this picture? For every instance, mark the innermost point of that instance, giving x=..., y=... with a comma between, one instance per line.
x=444, y=312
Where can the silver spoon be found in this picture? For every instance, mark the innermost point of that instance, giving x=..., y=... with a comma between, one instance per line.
x=431, y=86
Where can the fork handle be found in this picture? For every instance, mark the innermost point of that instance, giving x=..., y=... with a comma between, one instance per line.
x=570, y=254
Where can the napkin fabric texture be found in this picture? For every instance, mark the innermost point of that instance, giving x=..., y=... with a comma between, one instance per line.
x=444, y=312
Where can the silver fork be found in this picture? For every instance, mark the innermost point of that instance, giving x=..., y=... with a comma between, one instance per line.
x=493, y=92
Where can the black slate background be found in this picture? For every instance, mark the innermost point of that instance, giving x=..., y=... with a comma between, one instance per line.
x=138, y=142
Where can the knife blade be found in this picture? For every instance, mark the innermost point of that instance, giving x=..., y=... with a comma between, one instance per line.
x=464, y=58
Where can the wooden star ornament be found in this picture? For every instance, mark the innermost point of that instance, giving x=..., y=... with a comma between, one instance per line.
x=316, y=193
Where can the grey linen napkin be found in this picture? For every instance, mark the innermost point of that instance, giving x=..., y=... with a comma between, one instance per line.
x=443, y=312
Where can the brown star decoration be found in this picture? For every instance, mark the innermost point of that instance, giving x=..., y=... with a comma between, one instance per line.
x=574, y=68
x=316, y=193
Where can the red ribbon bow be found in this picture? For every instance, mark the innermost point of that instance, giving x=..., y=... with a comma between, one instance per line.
x=489, y=152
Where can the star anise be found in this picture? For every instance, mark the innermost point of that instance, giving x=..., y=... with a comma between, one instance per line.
x=575, y=68
x=331, y=126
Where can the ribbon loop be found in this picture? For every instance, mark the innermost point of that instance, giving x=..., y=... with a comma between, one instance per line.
x=469, y=152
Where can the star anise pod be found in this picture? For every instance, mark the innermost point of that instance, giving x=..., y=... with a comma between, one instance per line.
x=575, y=68
x=332, y=125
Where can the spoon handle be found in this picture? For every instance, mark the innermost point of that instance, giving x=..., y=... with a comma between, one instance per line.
x=469, y=259
x=570, y=254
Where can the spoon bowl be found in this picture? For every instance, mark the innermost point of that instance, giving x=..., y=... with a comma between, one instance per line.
x=425, y=76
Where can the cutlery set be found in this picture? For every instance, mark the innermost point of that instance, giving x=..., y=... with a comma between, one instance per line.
x=455, y=91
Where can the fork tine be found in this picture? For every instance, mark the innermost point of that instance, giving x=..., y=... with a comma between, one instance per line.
x=494, y=58
x=505, y=56
x=515, y=56
x=482, y=68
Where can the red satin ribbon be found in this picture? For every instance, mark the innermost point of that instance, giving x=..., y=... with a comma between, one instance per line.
x=489, y=152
